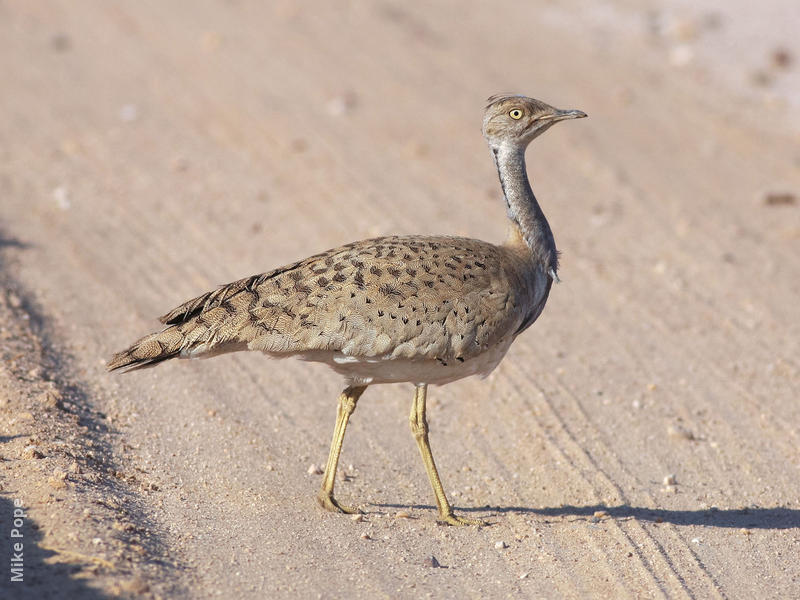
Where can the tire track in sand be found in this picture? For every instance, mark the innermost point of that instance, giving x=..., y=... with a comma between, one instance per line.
x=653, y=550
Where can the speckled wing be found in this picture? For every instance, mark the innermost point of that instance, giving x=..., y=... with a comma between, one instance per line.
x=409, y=297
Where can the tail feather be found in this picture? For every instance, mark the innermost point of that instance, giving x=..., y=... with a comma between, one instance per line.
x=207, y=301
x=219, y=321
x=209, y=324
x=149, y=350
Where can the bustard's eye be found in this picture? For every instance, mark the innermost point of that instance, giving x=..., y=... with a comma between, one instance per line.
x=515, y=114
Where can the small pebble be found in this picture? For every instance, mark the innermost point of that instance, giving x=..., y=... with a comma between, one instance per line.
x=599, y=514
x=61, y=196
x=314, y=470
x=431, y=562
x=298, y=145
x=365, y=536
x=678, y=432
x=56, y=483
x=524, y=575
x=403, y=514
x=681, y=55
x=744, y=531
x=780, y=199
x=696, y=541
x=357, y=518
x=760, y=78
x=60, y=42
x=342, y=104
x=781, y=58
x=179, y=164
x=501, y=545
x=128, y=112
x=670, y=480
x=32, y=452
x=50, y=399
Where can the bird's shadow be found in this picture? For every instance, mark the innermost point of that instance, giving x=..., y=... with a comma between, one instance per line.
x=744, y=518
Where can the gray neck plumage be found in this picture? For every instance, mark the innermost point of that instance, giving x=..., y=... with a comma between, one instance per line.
x=523, y=209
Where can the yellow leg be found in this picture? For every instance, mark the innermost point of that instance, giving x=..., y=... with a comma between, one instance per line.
x=347, y=404
x=419, y=427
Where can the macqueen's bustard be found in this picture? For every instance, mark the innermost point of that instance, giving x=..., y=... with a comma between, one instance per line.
x=417, y=309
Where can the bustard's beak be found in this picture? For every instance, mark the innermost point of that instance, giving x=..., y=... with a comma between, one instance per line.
x=561, y=115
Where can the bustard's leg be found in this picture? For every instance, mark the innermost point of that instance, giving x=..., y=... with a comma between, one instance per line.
x=419, y=427
x=347, y=404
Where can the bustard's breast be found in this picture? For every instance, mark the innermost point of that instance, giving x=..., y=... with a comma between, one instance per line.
x=359, y=370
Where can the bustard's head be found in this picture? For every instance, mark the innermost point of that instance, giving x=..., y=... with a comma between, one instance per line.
x=516, y=120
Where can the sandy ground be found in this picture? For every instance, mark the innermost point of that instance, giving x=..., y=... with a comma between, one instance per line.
x=641, y=440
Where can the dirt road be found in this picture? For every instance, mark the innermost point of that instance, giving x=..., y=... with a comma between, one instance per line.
x=641, y=440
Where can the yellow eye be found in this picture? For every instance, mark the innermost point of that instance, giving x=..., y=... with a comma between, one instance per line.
x=515, y=114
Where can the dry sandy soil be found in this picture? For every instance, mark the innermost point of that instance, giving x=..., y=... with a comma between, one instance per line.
x=641, y=440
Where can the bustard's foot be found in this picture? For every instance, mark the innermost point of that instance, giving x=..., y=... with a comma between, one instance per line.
x=328, y=502
x=451, y=519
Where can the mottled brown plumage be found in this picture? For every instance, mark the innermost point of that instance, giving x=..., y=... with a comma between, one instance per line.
x=373, y=298
x=419, y=309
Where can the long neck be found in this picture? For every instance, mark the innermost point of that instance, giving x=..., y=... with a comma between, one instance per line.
x=524, y=211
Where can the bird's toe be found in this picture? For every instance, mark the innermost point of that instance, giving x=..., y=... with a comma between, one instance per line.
x=328, y=502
